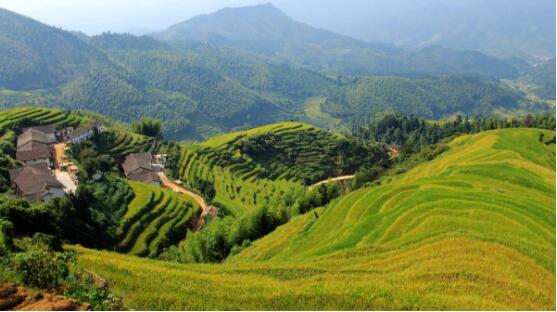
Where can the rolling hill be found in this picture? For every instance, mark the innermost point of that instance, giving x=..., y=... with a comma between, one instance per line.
x=471, y=229
x=35, y=56
x=252, y=168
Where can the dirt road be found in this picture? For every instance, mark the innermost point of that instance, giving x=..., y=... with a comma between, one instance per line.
x=205, y=209
x=59, y=154
x=341, y=178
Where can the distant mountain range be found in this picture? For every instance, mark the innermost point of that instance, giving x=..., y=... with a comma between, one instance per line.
x=265, y=29
x=233, y=69
x=501, y=28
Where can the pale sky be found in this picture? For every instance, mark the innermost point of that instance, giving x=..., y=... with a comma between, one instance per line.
x=95, y=16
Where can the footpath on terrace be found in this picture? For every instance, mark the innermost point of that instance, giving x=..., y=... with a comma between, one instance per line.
x=205, y=209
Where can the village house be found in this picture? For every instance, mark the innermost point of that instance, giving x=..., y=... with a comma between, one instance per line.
x=49, y=132
x=33, y=146
x=139, y=167
x=36, y=183
x=84, y=133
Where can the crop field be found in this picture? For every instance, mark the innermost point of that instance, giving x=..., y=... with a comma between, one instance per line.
x=126, y=142
x=155, y=219
x=474, y=229
x=239, y=181
x=244, y=176
x=40, y=116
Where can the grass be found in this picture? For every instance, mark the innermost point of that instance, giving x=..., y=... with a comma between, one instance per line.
x=152, y=215
x=473, y=229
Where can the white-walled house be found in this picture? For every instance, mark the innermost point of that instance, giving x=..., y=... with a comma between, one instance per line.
x=84, y=133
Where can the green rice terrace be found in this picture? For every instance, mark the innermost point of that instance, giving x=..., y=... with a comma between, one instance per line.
x=155, y=219
x=472, y=229
x=251, y=167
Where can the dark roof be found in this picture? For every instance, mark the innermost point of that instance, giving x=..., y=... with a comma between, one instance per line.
x=32, y=135
x=34, y=179
x=144, y=176
x=83, y=130
x=46, y=129
x=32, y=150
x=134, y=162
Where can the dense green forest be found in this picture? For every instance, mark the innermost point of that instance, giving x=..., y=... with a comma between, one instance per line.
x=424, y=97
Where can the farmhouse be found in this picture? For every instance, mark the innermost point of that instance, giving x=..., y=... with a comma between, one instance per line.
x=36, y=183
x=33, y=146
x=139, y=167
x=49, y=132
x=84, y=133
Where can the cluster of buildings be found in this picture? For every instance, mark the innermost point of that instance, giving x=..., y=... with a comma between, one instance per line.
x=35, y=147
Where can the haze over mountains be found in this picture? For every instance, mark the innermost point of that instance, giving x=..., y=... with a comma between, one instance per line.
x=247, y=66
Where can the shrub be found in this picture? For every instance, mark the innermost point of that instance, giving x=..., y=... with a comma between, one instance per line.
x=6, y=237
x=85, y=288
x=41, y=267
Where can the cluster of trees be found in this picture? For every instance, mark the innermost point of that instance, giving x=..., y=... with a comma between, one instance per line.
x=150, y=127
x=224, y=236
x=312, y=156
x=411, y=132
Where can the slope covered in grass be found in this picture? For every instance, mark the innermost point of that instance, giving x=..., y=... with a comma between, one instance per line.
x=473, y=229
x=498, y=187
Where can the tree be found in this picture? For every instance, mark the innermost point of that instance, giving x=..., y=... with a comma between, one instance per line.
x=150, y=127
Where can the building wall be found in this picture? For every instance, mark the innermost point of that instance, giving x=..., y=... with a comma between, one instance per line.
x=54, y=192
x=51, y=137
x=82, y=138
x=39, y=161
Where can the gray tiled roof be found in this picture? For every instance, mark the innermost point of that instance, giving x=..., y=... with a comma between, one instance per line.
x=34, y=179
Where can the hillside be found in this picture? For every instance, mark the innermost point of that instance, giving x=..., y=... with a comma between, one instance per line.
x=257, y=166
x=503, y=28
x=155, y=219
x=542, y=78
x=480, y=217
x=425, y=97
x=267, y=30
x=36, y=56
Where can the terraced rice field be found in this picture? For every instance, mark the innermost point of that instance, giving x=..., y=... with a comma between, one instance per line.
x=40, y=116
x=156, y=218
x=473, y=229
x=243, y=182
x=126, y=142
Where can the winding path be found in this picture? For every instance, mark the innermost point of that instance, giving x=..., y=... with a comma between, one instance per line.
x=340, y=178
x=205, y=209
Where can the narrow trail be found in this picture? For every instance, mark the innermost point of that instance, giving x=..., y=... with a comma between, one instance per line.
x=340, y=178
x=205, y=209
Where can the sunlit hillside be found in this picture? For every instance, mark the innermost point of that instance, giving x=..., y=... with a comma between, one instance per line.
x=472, y=229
